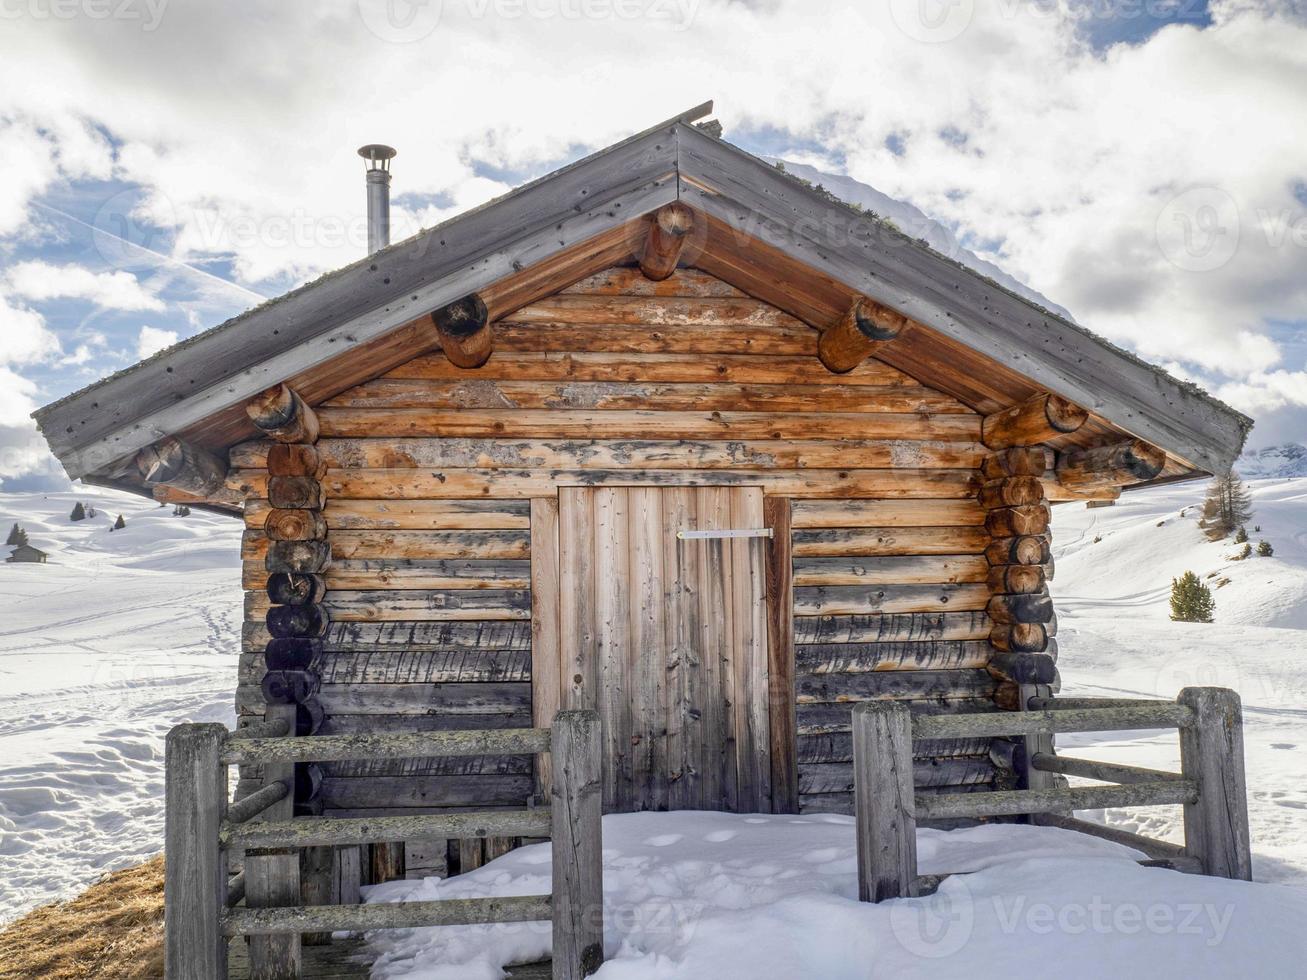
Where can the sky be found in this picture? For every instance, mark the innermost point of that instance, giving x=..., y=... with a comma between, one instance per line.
x=166, y=164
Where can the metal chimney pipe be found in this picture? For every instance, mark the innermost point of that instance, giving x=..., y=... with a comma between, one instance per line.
x=378, y=157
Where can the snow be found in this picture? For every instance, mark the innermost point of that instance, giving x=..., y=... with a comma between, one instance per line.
x=106, y=647
x=120, y=636
x=723, y=896
x=1116, y=639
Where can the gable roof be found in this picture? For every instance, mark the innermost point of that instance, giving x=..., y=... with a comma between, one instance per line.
x=578, y=220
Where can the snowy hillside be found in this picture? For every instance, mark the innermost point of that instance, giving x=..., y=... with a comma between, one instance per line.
x=121, y=635
x=1112, y=589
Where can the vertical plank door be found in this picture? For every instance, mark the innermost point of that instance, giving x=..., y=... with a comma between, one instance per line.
x=667, y=640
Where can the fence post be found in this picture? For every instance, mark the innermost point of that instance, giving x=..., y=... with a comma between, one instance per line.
x=1211, y=754
x=884, y=801
x=577, y=796
x=272, y=877
x=195, y=867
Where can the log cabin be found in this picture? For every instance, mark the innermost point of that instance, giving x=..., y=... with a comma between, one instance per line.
x=667, y=434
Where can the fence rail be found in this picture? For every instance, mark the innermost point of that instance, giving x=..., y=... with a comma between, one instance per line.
x=1210, y=784
x=202, y=828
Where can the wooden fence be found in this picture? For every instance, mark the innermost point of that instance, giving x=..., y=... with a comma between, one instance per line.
x=201, y=829
x=1210, y=784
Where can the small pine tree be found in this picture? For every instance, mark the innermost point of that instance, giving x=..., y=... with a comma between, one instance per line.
x=181, y=510
x=119, y=524
x=1191, y=600
x=1264, y=549
x=1228, y=506
x=1242, y=553
x=1241, y=535
x=79, y=513
x=16, y=536
x=90, y=512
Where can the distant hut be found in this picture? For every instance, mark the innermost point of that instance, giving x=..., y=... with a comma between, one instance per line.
x=26, y=554
x=667, y=434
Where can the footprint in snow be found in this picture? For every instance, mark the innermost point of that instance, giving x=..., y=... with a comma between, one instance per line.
x=822, y=855
x=1283, y=745
x=719, y=836
x=663, y=840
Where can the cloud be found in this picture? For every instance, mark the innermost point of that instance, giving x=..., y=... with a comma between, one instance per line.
x=26, y=338
x=152, y=340
x=1114, y=180
x=35, y=280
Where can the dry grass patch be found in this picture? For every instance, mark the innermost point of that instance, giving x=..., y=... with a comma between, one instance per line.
x=112, y=931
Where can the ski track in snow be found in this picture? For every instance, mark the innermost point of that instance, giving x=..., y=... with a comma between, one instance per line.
x=127, y=633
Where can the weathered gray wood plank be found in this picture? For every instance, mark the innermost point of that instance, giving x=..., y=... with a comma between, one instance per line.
x=1211, y=755
x=886, y=826
x=578, y=945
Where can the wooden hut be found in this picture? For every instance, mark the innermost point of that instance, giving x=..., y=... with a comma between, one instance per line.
x=668, y=434
x=26, y=554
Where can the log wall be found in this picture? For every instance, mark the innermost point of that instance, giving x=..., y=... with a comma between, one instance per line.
x=431, y=471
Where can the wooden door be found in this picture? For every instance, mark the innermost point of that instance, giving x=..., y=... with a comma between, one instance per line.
x=667, y=640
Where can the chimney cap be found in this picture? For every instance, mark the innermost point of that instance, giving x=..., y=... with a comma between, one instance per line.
x=377, y=155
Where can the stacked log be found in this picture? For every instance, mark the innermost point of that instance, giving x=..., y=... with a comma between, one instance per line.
x=1020, y=565
x=297, y=558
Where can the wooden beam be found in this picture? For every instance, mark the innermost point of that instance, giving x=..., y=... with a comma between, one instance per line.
x=281, y=414
x=1103, y=467
x=1035, y=420
x=463, y=328
x=856, y=336
x=173, y=463
x=668, y=232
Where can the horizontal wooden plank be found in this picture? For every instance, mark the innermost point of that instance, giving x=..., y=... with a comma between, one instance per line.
x=837, y=777
x=432, y=605
x=403, y=452
x=840, y=658
x=407, y=666
x=408, y=393
x=838, y=747
x=892, y=685
x=396, y=515
x=431, y=544
x=886, y=513
x=518, y=716
x=409, y=484
x=898, y=627
x=474, y=765
x=427, y=636
x=595, y=424
x=605, y=338
x=504, y=698
x=630, y=281
x=874, y=541
x=408, y=791
x=842, y=803
x=838, y=600
x=900, y=570
x=697, y=311
x=417, y=573
x=821, y=718
x=739, y=368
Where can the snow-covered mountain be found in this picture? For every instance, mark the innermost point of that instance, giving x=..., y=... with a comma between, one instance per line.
x=1289, y=460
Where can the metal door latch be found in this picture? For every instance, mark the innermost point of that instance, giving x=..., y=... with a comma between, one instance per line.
x=756, y=532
